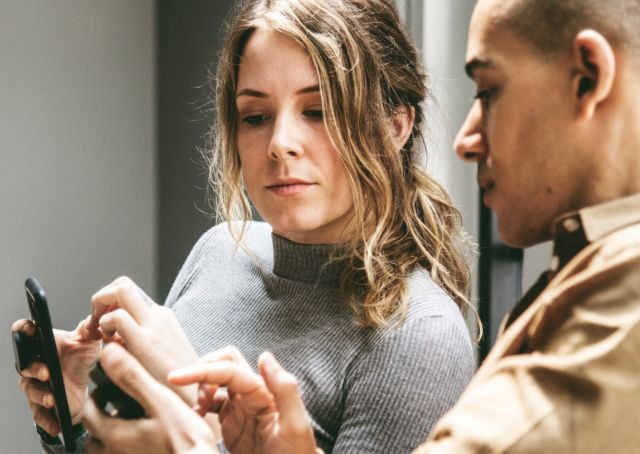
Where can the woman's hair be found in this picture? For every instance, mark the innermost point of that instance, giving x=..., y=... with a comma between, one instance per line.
x=367, y=67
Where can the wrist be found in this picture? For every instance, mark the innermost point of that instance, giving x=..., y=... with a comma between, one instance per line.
x=46, y=437
x=77, y=431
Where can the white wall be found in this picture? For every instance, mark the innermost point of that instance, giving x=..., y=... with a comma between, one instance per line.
x=77, y=175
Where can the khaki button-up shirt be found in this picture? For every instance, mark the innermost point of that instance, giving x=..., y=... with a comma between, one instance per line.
x=564, y=375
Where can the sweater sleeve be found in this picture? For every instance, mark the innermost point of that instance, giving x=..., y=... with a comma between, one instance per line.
x=191, y=265
x=398, y=390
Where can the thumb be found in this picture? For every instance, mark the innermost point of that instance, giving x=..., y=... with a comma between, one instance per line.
x=286, y=392
x=128, y=374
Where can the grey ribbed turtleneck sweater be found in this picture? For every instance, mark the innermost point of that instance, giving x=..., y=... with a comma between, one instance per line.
x=366, y=390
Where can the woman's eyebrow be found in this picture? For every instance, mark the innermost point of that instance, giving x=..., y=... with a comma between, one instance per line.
x=251, y=92
x=259, y=94
x=309, y=89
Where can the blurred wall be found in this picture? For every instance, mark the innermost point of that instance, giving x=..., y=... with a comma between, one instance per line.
x=188, y=42
x=77, y=164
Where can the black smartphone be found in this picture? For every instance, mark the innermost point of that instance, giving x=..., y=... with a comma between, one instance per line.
x=42, y=347
x=110, y=398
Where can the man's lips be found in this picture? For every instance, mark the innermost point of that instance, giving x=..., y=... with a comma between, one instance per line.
x=487, y=186
x=485, y=183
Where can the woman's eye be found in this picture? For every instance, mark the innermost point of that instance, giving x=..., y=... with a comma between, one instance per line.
x=315, y=114
x=255, y=120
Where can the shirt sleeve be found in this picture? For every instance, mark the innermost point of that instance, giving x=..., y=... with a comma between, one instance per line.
x=400, y=388
x=577, y=387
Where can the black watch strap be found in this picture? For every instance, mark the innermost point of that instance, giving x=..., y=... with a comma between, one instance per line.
x=46, y=438
x=76, y=432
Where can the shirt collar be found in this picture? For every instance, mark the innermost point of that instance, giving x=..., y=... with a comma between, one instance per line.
x=573, y=231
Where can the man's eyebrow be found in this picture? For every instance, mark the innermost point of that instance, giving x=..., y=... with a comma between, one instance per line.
x=259, y=94
x=474, y=64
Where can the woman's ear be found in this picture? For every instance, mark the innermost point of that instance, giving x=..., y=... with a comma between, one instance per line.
x=402, y=122
x=595, y=71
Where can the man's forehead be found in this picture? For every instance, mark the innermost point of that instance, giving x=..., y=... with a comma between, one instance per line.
x=492, y=10
x=489, y=42
x=479, y=48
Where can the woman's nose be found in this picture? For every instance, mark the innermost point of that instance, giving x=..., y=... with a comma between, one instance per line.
x=285, y=141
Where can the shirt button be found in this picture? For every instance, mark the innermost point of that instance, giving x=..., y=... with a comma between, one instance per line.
x=571, y=225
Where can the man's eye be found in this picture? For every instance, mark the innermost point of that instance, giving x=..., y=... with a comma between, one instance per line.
x=255, y=120
x=315, y=114
x=482, y=95
x=485, y=97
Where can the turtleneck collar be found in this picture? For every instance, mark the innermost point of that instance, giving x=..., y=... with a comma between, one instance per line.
x=311, y=263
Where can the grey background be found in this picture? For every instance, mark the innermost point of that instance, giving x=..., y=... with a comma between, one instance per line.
x=188, y=42
x=102, y=108
x=77, y=164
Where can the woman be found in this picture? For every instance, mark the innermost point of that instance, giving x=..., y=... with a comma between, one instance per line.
x=355, y=281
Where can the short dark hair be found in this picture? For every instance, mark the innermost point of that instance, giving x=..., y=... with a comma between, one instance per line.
x=551, y=25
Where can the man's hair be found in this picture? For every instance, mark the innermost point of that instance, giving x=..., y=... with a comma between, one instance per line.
x=551, y=25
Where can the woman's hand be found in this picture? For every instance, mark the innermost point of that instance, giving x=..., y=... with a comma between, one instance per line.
x=123, y=312
x=77, y=351
x=170, y=426
x=262, y=413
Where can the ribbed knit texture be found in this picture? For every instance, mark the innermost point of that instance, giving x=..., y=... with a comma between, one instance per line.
x=366, y=390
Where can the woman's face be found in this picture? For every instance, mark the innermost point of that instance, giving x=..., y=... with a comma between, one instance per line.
x=291, y=169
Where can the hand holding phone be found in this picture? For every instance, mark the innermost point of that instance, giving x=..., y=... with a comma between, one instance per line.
x=108, y=393
x=42, y=347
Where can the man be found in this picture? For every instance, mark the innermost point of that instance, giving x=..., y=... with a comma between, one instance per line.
x=555, y=134
x=555, y=131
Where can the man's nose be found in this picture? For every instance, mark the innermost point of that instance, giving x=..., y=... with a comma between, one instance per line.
x=469, y=143
x=285, y=141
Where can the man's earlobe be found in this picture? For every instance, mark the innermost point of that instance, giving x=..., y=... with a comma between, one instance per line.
x=595, y=70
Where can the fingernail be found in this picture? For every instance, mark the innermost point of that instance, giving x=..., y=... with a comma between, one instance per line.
x=42, y=374
x=270, y=361
x=47, y=401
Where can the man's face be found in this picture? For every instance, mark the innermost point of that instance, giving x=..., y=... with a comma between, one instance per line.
x=520, y=130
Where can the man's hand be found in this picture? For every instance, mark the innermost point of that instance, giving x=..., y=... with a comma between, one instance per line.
x=77, y=350
x=262, y=413
x=151, y=333
x=170, y=426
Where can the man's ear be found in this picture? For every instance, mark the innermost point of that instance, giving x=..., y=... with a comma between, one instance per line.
x=595, y=66
x=402, y=122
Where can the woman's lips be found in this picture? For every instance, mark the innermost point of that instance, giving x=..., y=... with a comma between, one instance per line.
x=289, y=189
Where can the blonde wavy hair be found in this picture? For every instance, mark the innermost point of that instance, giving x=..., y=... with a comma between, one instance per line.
x=367, y=67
